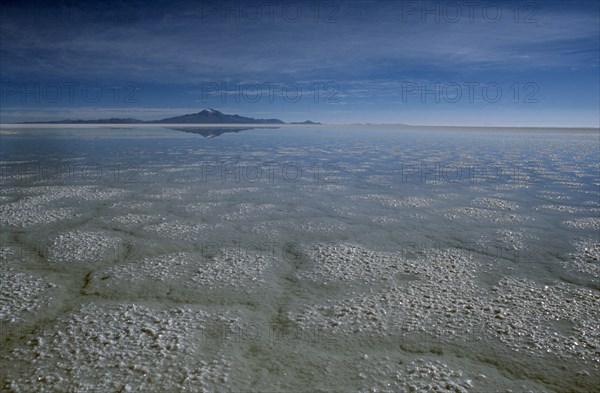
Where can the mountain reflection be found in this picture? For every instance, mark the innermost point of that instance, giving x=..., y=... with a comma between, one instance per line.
x=211, y=132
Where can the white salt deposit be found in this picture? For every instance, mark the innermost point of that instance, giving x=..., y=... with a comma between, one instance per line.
x=585, y=223
x=471, y=213
x=78, y=247
x=120, y=348
x=368, y=280
x=22, y=295
x=495, y=203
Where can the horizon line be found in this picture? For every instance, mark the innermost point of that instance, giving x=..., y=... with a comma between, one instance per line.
x=284, y=125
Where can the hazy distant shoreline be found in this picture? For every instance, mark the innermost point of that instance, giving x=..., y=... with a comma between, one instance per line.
x=397, y=127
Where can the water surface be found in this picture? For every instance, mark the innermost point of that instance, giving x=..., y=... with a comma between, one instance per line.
x=319, y=258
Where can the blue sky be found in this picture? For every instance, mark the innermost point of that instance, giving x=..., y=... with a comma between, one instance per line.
x=434, y=62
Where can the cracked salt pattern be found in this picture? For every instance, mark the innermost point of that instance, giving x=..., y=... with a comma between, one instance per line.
x=132, y=205
x=562, y=208
x=83, y=247
x=21, y=294
x=520, y=304
x=232, y=191
x=585, y=223
x=33, y=209
x=162, y=268
x=495, y=203
x=131, y=219
x=25, y=215
x=347, y=262
x=246, y=210
x=440, y=286
x=586, y=259
x=202, y=207
x=231, y=268
x=179, y=230
x=391, y=373
x=119, y=348
x=366, y=279
x=387, y=200
x=469, y=213
x=187, y=274
x=169, y=194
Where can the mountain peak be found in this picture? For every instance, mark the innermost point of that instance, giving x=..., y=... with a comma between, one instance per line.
x=206, y=116
x=213, y=116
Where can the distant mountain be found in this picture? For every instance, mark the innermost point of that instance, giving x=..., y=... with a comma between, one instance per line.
x=99, y=121
x=206, y=116
x=306, y=122
x=211, y=116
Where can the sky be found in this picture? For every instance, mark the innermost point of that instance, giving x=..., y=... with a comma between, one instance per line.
x=484, y=63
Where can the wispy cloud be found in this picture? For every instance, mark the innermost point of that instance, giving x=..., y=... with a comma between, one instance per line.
x=179, y=47
x=369, y=50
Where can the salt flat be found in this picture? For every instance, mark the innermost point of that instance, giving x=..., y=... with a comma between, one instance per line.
x=352, y=263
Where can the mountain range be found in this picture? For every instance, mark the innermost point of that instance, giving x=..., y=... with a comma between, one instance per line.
x=206, y=116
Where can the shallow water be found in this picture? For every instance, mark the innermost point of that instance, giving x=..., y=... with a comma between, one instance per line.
x=300, y=259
